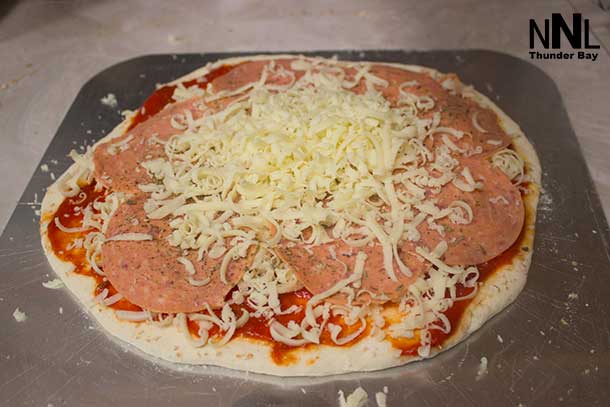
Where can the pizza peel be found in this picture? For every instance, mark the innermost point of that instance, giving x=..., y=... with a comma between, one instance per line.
x=551, y=347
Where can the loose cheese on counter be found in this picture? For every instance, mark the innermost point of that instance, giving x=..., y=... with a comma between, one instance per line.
x=54, y=284
x=19, y=315
x=357, y=398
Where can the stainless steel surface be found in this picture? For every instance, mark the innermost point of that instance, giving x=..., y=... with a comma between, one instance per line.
x=552, y=347
x=49, y=49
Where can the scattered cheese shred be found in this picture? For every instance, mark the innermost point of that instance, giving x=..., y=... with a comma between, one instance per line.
x=482, y=369
x=511, y=164
x=67, y=229
x=381, y=399
x=357, y=398
x=126, y=237
x=133, y=316
x=19, y=315
x=109, y=100
x=53, y=284
x=476, y=124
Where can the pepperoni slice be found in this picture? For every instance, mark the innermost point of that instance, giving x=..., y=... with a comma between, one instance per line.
x=456, y=112
x=148, y=273
x=460, y=113
x=421, y=84
x=497, y=222
x=119, y=168
x=319, y=270
x=251, y=71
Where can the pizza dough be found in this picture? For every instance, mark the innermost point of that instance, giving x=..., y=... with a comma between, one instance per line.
x=141, y=279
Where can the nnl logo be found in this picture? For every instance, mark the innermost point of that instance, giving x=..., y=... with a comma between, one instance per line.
x=556, y=28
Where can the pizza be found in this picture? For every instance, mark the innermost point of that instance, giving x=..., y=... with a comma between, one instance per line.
x=294, y=216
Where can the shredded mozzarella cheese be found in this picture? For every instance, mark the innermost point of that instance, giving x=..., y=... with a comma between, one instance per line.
x=511, y=164
x=19, y=315
x=358, y=398
x=126, y=237
x=54, y=284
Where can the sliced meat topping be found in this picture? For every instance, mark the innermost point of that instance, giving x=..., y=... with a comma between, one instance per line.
x=415, y=83
x=250, y=72
x=480, y=125
x=497, y=217
x=149, y=274
x=321, y=267
x=117, y=162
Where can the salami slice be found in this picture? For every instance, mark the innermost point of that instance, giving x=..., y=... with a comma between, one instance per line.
x=117, y=162
x=148, y=273
x=319, y=268
x=250, y=72
x=479, y=124
x=498, y=217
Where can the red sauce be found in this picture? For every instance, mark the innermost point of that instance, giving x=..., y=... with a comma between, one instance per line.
x=61, y=241
x=454, y=314
x=257, y=327
x=163, y=96
x=70, y=217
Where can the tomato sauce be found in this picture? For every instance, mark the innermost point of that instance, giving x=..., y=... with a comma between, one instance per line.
x=69, y=216
x=257, y=327
x=63, y=242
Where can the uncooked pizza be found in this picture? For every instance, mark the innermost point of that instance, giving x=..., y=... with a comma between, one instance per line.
x=294, y=216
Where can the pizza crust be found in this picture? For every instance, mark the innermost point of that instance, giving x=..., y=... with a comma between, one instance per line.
x=371, y=353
